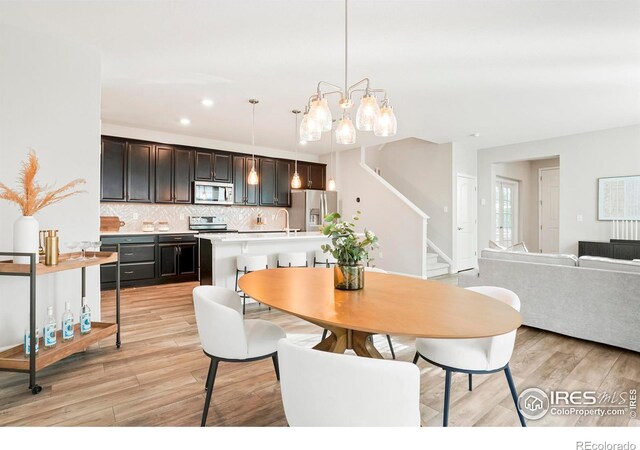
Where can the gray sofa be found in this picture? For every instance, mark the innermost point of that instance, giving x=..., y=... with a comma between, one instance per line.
x=591, y=298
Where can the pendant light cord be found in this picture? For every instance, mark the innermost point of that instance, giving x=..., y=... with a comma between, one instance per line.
x=253, y=134
x=295, y=141
x=346, y=49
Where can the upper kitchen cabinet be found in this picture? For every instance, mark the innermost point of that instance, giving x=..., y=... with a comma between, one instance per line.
x=312, y=175
x=316, y=178
x=244, y=193
x=113, y=168
x=212, y=166
x=173, y=175
x=275, y=182
x=140, y=172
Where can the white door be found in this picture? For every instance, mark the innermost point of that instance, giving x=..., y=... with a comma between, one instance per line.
x=506, y=232
x=549, y=210
x=466, y=223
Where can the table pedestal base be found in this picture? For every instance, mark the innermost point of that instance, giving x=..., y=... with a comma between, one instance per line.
x=342, y=339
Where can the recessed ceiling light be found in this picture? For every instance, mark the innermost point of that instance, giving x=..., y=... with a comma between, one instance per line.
x=303, y=142
x=207, y=102
x=185, y=121
x=474, y=135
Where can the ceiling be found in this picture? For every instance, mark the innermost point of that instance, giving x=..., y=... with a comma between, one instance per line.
x=511, y=71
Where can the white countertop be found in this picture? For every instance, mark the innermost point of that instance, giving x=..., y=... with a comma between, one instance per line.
x=140, y=233
x=248, y=237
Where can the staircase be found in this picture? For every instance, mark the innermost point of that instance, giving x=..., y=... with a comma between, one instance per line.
x=435, y=266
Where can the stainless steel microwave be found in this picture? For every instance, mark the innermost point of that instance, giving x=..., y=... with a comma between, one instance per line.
x=207, y=193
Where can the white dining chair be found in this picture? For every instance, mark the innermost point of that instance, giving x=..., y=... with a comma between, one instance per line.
x=473, y=356
x=225, y=336
x=330, y=389
x=320, y=258
x=292, y=259
x=246, y=264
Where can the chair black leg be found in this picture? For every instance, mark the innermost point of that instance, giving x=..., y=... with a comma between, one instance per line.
x=244, y=304
x=514, y=394
x=237, y=271
x=324, y=334
x=447, y=391
x=415, y=358
x=276, y=366
x=393, y=354
x=470, y=382
x=211, y=378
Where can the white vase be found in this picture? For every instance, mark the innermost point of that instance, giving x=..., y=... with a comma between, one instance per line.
x=25, y=238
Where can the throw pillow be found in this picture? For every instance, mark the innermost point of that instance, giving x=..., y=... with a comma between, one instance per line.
x=495, y=246
x=519, y=247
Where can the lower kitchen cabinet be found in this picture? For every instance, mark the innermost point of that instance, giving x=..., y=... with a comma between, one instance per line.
x=150, y=259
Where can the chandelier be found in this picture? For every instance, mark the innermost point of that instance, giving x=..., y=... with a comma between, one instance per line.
x=296, y=182
x=370, y=116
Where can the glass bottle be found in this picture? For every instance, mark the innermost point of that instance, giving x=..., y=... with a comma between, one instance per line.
x=85, y=317
x=67, y=323
x=49, y=330
x=27, y=342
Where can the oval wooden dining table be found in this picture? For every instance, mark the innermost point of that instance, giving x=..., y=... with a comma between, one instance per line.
x=388, y=304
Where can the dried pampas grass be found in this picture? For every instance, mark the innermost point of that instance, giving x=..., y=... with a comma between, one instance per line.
x=33, y=196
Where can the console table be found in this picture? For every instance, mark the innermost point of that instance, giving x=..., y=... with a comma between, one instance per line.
x=615, y=248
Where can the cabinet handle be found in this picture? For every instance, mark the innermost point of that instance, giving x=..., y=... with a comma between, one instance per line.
x=177, y=238
x=128, y=254
x=129, y=272
x=128, y=240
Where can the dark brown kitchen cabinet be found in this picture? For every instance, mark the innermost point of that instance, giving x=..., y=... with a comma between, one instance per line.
x=182, y=175
x=113, y=169
x=213, y=166
x=177, y=260
x=274, y=182
x=316, y=177
x=203, y=165
x=303, y=172
x=173, y=175
x=140, y=172
x=283, y=183
x=267, y=177
x=244, y=193
x=222, y=167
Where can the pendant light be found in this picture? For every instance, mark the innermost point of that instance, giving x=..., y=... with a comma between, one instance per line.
x=317, y=115
x=296, y=183
x=253, y=175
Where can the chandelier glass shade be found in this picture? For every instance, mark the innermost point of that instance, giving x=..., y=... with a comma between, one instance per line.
x=345, y=131
x=318, y=117
x=386, y=125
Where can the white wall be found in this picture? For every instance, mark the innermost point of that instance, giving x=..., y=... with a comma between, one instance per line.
x=583, y=159
x=398, y=227
x=110, y=129
x=421, y=171
x=49, y=101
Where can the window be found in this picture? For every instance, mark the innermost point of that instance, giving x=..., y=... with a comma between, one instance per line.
x=506, y=208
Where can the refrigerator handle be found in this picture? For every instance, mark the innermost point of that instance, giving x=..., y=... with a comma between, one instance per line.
x=326, y=204
x=322, y=210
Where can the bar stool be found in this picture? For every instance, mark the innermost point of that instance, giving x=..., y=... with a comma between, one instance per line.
x=321, y=258
x=292, y=259
x=247, y=264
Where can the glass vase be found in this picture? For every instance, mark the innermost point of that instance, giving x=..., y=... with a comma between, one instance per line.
x=348, y=277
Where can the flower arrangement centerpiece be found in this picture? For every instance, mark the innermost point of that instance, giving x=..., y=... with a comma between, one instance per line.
x=31, y=197
x=349, y=249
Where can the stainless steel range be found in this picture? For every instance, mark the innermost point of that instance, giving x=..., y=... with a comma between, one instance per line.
x=209, y=224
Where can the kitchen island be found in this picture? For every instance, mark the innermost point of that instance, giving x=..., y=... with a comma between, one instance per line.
x=218, y=251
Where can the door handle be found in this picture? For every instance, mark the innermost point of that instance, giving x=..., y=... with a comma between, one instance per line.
x=459, y=228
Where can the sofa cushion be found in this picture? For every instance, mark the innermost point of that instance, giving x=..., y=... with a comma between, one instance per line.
x=618, y=265
x=539, y=258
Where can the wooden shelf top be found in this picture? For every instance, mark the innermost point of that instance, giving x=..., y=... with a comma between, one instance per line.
x=66, y=262
x=14, y=359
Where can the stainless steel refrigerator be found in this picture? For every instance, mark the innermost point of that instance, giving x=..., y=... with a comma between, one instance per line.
x=309, y=207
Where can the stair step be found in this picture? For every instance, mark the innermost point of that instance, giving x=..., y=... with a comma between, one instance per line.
x=432, y=258
x=437, y=269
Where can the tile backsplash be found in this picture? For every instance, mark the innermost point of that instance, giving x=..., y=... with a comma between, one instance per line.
x=237, y=217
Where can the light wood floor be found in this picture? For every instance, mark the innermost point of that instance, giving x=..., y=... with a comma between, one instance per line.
x=157, y=377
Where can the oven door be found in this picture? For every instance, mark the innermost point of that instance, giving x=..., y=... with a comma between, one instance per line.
x=205, y=193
